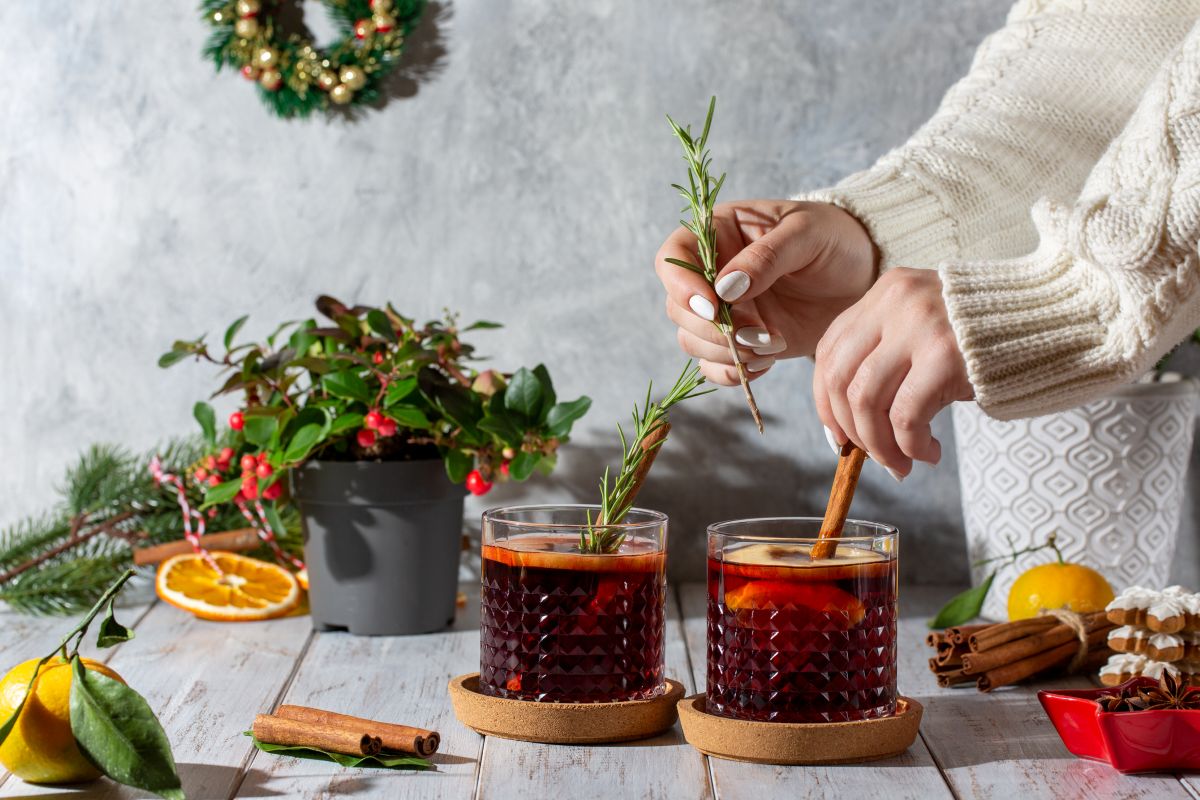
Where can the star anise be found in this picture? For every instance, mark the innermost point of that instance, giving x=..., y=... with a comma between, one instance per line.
x=1115, y=702
x=1169, y=694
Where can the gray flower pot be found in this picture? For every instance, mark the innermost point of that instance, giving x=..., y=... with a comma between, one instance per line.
x=381, y=542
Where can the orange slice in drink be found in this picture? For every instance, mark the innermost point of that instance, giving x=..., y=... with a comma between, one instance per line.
x=248, y=590
x=818, y=597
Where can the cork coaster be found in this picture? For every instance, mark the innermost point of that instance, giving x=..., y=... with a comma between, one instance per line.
x=562, y=723
x=795, y=743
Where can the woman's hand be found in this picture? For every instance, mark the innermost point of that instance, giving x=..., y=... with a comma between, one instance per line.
x=886, y=366
x=788, y=267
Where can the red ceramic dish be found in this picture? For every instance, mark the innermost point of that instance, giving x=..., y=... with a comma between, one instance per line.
x=1131, y=741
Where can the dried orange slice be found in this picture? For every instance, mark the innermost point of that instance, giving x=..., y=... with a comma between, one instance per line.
x=302, y=578
x=249, y=589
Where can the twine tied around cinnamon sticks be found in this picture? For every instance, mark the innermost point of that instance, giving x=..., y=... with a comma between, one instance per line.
x=1008, y=652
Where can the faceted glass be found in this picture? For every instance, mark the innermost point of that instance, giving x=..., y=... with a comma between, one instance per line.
x=793, y=639
x=560, y=625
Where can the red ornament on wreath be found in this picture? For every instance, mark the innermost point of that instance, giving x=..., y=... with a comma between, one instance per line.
x=295, y=76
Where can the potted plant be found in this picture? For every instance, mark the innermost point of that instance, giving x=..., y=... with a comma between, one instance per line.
x=1107, y=478
x=378, y=421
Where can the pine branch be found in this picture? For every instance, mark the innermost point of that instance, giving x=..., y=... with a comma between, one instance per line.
x=64, y=587
x=650, y=427
x=701, y=196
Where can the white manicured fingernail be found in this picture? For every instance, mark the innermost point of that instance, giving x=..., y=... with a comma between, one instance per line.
x=702, y=308
x=777, y=347
x=753, y=336
x=899, y=478
x=732, y=286
x=833, y=445
x=759, y=364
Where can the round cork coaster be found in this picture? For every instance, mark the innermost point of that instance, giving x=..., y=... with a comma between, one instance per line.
x=796, y=743
x=562, y=723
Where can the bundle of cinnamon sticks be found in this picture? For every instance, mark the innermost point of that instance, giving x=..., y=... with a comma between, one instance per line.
x=1005, y=653
x=299, y=726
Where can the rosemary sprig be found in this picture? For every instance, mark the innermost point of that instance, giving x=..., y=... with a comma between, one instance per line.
x=650, y=426
x=701, y=196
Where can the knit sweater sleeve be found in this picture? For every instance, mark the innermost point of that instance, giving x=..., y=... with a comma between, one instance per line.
x=1044, y=97
x=1115, y=280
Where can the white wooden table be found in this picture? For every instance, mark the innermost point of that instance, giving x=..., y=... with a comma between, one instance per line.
x=207, y=680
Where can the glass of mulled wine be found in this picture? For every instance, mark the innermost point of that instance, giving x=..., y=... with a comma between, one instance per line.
x=563, y=623
x=797, y=639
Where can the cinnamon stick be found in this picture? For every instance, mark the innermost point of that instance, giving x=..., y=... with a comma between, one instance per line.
x=1028, y=646
x=845, y=481
x=650, y=445
x=297, y=733
x=398, y=738
x=934, y=638
x=234, y=541
x=959, y=634
x=1019, y=670
x=1001, y=633
x=953, y=677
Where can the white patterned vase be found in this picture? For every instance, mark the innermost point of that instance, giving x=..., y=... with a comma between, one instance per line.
x=1108, y=477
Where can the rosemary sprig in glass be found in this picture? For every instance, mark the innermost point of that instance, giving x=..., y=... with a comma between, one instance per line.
x=701, y=196
x=650, y=428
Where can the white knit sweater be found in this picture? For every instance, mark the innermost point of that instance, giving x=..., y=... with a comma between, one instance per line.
x=1086, y=112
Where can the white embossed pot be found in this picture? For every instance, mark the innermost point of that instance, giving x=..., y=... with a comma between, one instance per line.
x=1108, y=477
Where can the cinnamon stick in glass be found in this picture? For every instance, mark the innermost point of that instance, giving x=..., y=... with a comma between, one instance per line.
x=845, y=481
x=331, y=738
x=397, y=738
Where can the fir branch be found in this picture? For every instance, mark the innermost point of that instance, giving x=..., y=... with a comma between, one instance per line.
x=701, y=196
x=650, y=427
x=64, y=587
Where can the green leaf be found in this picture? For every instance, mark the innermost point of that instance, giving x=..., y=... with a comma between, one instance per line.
x=345, y=422
x=522, y=466
x=502, y=427
x=207, y=418
x=408, y=417
x=482, y=325
x=398, y=391
x=314, y=364
x=379, y=322
x=685, y=265
x=347, y=384
x=302, y=443
x=546, y=464
x=963, y=607
x=458, y=464
x=563, y=416
x=273, y=518
x=259, y=430
x=222, y=493
x=548, y=395
x=116, y=730
x=383, y=760
x=172, y=357
x=233, y=329
x=112, y=632
x=523, y=395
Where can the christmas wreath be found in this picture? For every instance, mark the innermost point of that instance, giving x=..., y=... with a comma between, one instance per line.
x=295, y=77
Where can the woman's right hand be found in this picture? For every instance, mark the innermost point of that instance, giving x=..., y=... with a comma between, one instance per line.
x=788, y=268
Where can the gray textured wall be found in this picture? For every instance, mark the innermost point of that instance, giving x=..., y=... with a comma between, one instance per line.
x=520, y=173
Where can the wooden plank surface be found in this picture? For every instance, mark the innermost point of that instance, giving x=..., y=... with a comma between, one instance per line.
x=911, y=775
x=391, y=678
x=1002, y=745
x=205, y=681
x=652, y=769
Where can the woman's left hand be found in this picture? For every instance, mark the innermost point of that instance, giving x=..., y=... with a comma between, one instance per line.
x=886, y=366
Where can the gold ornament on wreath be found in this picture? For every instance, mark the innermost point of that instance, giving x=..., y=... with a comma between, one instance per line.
x=294, y=76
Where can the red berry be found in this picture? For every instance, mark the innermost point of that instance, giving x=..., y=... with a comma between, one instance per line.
x=263, y=458
x=210, y=462
x=378, y=357
x=212, y=513
x=213, y=480
x=250, y=488
x=237, y=421
x=263, y=470
x=226, y=455
x=476, y=485
x=248, y=463
x=273, y=491
x=239, y=498
x=366, y=437
x=373, y=419
x=200, y=474
x=504, y=469
x=387, y=427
